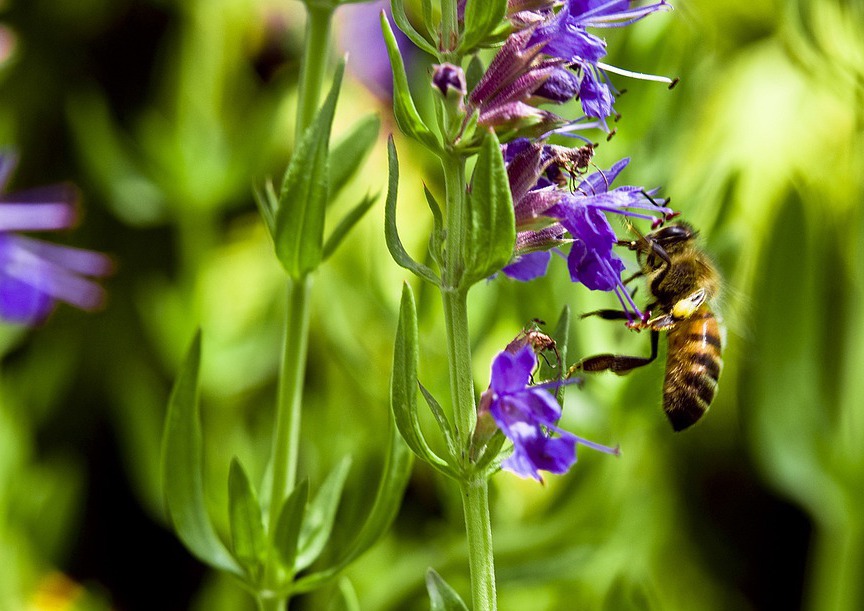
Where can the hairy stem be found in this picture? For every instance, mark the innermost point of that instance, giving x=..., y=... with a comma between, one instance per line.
x=474, y=488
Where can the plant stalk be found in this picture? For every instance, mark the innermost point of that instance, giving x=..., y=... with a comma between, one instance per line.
x=315, y=55
x=474, y=487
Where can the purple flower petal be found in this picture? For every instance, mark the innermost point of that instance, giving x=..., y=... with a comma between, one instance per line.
x=35, y=274
x=528, y=266
x=21, y=303
x=36, y=217
x=561, y=86
x=527, y=415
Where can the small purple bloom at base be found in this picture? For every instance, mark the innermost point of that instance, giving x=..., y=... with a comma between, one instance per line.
x=528, y=266
x=527, y=415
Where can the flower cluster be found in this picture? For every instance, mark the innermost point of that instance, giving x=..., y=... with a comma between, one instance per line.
x=552, y=57
x=548, y=209
x=34, y=275
x=528, y=416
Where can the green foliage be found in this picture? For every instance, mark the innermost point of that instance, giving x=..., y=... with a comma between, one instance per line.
x=491, y=224
x=183, y=484
x=426, y=43
x=405, y=112
x=482, y=18
x=403, y=386
x=441, y=596
x=248, y=538
x=391, y=233
x=303, y=198
x=289, y=525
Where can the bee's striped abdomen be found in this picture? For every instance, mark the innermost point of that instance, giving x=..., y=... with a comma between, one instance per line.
x=693, y=365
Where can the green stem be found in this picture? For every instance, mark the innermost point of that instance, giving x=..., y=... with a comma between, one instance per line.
x=478, y=527
x=286, y=434
x=838, y=564
x=475, y=492
x=449, y=28
x=315, y=54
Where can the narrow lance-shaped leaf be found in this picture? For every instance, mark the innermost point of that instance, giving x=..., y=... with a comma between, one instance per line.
x=346, y=157
x=482, y=17
x=436, y=240
x=562, y=338
x=289, y=524
x=248, y=538
x=443, y=422
x=492, y=225
x=401, y=18
x=345, y=598
x=397, y=471
x=299, y=231
x=267, y=204
x=347, y=224
x=403, y=385
x=404, y=110
x=182, y=463
x=320, y=514
x=391, y=233
x=442, y=597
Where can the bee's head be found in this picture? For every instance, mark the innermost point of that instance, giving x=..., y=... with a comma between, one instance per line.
x=671, y=235
x=658, y=245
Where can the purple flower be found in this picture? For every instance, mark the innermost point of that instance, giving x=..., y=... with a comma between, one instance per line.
x=565, y=36
x=548, y=208
x=528, y=415
x=501, y=97
x=582, y=213
x=34, y=275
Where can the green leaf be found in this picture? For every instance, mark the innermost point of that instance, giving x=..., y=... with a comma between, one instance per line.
x=482, y=17
x=289, y=525
x=346, y=157
x=346, y=224
x=397, y=471
x=401, y=18
x=562, y=337
x=391, y=233
x=428, y=23
x=491, y=452
x=345, y=599
x=305, y=192
x=442, y=597
x=267, y=203
x=403, y=384
x=318, y=521
x=248, y=538
x=436, y=240
x=182, y=462
x=404, y=110
x=442, y=420
x=474, y=72
x=492, y=225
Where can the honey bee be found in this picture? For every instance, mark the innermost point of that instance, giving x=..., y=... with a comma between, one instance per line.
x=682, y=281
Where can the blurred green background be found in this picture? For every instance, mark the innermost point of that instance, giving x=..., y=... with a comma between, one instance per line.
x=165, y=113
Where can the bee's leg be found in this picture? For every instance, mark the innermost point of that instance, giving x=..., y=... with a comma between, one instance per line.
x=633, y=277
x=609, y=314
x=617, y=363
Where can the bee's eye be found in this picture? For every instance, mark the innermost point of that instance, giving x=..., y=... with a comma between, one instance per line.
x=672, y=234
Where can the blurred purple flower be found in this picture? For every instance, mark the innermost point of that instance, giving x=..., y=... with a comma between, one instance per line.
x=359, y=35
x=528, y=416
x=34, y=275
